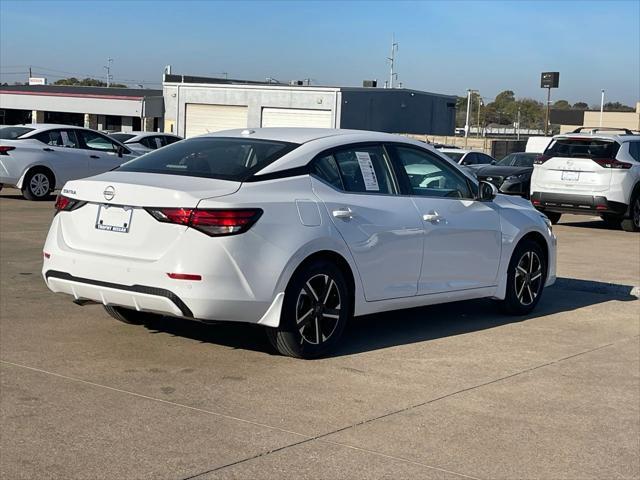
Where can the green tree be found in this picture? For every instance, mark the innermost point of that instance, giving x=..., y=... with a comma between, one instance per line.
x=86, y=82
x=618, y=107
x=580, y=106
x=562, y=105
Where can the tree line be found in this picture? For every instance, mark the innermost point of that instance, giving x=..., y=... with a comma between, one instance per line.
x=503, y=110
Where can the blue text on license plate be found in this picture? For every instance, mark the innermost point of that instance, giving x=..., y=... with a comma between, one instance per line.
x=113, y=218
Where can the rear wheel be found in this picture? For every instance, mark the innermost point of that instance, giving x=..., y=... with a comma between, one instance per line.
x=316, y=307
x=37, y=184
x=632, y=224
x=554, y=217
x=127, y=315
x=525, y=278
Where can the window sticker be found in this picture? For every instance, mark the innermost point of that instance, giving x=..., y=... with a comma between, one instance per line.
x=368, y=173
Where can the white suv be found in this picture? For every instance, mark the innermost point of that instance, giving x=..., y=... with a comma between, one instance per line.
x=590, y=172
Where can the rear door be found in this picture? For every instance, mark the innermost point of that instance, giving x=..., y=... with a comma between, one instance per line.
x=60, y=150
x=381, y=228
x=576, y=164
x=463, y=239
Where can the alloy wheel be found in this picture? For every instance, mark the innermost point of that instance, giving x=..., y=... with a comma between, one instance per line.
x=318, y=309
x=528, y=279
x=39, y=185
x=636, y=212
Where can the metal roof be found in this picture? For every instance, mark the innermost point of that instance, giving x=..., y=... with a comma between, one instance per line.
x=80, y=91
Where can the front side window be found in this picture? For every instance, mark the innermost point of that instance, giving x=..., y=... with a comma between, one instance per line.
x=95, y=141
x=212, y=157
x=365, y=169
x=58, y=138
x=430, y=176
x=483, y=159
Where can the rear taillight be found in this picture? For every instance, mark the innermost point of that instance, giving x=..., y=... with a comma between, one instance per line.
x=612, y=163
x=66, y=204
x=213, y=222
x=5, y=149
x=540, y=159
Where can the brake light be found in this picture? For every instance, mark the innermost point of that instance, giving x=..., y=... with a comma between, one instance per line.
x=612, y=163
x=540, y=159
x=5, y=149
x=66, y=204
x=213, y=222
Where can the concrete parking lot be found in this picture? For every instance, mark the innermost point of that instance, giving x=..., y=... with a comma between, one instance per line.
x=445, y=392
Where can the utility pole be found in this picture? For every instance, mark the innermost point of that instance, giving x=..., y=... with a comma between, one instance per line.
x=546, y=117
x=479, y=105
x=466, y=123
x=601, y=107
x=518, y=123
x=392, y=60
x=107, y=67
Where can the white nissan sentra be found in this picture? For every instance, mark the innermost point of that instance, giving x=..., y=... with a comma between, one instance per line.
x=297, y=230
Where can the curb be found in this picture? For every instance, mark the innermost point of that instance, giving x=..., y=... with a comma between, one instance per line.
x=592, y=286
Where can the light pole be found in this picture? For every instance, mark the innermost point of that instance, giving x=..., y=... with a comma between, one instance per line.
x=479, y=105
x=601, y=107
x=466, y=123
x=518, y=123
x=107, y=67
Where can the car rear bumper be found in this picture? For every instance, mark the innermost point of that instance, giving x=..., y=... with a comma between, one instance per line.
x=580, y=204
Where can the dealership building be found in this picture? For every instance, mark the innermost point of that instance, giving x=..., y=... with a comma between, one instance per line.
x=189, y=105
x=100, y=108
x=197, y=105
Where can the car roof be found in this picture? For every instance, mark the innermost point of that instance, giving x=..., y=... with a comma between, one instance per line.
x=599, y=136
x=303, y=135
x=145, y=134
x=457, y=150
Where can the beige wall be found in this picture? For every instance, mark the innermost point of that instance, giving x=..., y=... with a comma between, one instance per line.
x=630, y=120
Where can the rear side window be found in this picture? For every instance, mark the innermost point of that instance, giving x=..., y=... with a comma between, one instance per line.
x=326, y=168
x=122, y=137
x=634, y=150
x=11, y=133
x=212, y=157
x=455, y=156
x=582, y=148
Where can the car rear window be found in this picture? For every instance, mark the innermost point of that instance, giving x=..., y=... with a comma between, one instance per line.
x=12, y=133
x=582, y=148
x=122, y=137
x=212, y=157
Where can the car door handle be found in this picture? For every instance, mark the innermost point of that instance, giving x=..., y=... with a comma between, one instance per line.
x=48, y=149
x=432, y=217
x=343, y=213
x=94, y=156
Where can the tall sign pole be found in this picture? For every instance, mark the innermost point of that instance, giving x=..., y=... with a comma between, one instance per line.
x=549, y=80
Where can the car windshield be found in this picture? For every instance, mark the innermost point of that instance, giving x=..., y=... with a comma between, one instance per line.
x=455, y=156
x=212, y=157
x=518, y=160
x=11, y=133
x=582, y=148
x=122, y=137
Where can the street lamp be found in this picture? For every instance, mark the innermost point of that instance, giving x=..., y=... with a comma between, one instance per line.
x=601, y=107
x=466, y=123
x=479, y=105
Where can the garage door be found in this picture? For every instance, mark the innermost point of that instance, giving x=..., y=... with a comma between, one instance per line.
x=296, y=117
x=201, y=118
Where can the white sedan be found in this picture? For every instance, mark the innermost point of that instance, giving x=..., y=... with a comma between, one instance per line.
x=144, y=142
x=468, y=157
x=41, y=158
x=297, y=230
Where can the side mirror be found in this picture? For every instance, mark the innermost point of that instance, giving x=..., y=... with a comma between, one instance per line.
x=119, y=150
x=487, y=191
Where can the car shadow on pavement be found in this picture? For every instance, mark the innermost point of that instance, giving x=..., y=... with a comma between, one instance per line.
x=48, y=198
x=597, y=224
x=401, y=327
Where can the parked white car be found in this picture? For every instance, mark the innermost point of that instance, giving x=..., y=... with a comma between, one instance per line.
x=41, y=158
x=144, y=142
x=467, y=157
x=590, y=172
x=297, y=230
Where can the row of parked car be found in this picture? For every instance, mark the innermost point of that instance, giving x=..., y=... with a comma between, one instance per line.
x=41, y=158
x=589, y=171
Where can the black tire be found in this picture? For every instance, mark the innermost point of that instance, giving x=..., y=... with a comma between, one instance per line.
x=132, y=317
x=613, y=221
x=525, y=278
x=1, y=185
x=318, y=298
x=38, y=184
x=632, y=224
x=554, y=217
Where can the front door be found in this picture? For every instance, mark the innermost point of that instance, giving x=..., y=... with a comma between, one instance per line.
x=382, y=229
x=102, y=152
x=462, y=242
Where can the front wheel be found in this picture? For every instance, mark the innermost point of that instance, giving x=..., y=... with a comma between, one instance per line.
x=316, y=308
x=127, y=315
x=525, y=278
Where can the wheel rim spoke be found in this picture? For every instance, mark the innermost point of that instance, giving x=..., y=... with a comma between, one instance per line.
x=318, y=309
x=528, y=278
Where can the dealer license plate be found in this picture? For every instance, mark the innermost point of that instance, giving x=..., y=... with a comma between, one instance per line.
x=571, y=176
x=114, y=218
